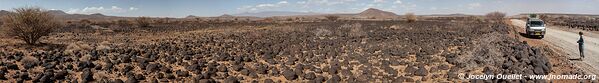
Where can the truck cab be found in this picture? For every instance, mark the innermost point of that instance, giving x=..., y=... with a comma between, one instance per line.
x=535, y=27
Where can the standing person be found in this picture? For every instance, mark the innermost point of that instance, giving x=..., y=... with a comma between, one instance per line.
x=580, y=45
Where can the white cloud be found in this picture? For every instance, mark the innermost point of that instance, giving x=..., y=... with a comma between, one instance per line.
x=327, y=2
x=265, y=5
x=397, y=1
x=90, y=10
x=283, y=2
x=133, y=8
x=379, y=1
x=473, y=5
x=301, y=2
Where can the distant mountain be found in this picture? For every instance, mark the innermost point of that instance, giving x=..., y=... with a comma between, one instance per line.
x=226, y=15
x=97, y=14
x=57, y=12
x=371, y=12
x=191, y=16
x=4, y=12
x=274, y=13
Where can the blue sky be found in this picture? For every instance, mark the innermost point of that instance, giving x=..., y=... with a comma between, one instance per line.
x=182, y=8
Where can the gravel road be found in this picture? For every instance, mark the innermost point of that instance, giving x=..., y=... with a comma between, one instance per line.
x=566, y=41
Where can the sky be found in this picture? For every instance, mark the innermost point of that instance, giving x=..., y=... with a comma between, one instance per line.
x=182, y=8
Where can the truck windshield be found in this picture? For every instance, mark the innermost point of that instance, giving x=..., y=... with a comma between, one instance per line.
x=536, y=24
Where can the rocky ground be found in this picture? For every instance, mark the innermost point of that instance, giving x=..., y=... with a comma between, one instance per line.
x=588, y=23
x=433, y=50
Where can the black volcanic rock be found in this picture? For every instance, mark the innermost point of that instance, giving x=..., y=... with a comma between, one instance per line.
x=87, y=75
x=289, y=75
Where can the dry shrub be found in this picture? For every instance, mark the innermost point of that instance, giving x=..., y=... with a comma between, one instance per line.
x=533, y=16
x=142, y=21
x=30, y=24
x=495, y=15
x=332, y=17
x=321, y=32
x=411, y=17
x=267, y=20
x=355, y=30
x=478, y=18
x=166, y=20
x=198, y=19
x=29, y=61
x=123, y=22
x=85, y=57
x=103, y=46
x=85, y=21
x=543, y=17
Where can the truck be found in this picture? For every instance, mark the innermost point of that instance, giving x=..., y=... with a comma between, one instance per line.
x=535, y=27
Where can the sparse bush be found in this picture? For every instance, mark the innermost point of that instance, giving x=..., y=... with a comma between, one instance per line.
x=478, y=18
x=217, y=20
x=298, y=19
x=85, y=21
x=123, y=22
x=321, y=32
x=29, y=61
x=267, y=20
x=167, y=20
x=332, y=17
x=198, y=19
x=533, y=16
x=30, y=24
x=410, y=17
x=142, y=21
x=495, y=15
x=356, y=30
x=543, y=17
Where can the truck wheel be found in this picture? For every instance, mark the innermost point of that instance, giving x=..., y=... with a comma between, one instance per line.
x=542, y=36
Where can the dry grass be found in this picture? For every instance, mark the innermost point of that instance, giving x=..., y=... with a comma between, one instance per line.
x=75, y=47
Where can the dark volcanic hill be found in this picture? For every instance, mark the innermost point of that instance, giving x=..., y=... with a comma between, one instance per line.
x=371, y=12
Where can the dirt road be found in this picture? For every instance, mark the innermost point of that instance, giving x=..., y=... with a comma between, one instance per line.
x=566, y=41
